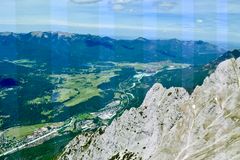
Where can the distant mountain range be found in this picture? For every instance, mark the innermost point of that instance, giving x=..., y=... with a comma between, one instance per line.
x=63, y=49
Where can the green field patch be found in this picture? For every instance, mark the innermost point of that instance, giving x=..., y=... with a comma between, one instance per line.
x=23, y=131
x=85, y=94
x=47, y=113
x=40, y=100
x=85, y=116
x=74, y=89
x=66, y=94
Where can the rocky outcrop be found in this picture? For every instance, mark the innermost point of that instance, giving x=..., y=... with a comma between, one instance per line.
x=173, y=125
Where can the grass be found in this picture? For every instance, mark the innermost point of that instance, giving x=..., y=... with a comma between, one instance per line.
x=65, y=94
x=23, y=131
x=73, y=89
x=85, y=116
x=85, y=94
x=40, y=100
x=78, y=88
x=48, y=112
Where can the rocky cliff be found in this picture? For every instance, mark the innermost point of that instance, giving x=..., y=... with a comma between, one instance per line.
x=173, y=125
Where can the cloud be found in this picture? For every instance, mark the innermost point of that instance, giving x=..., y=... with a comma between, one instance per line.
x=121, y=5
x=85, y=1
x=122, y=1
x=130, y=4
x=199, y=21
x=166, y=5
x=117, y=7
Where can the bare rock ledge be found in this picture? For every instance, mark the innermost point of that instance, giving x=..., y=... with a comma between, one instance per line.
x=173, y=125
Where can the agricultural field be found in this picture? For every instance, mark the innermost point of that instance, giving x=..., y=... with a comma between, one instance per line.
x=78, y=88
x=24, y=131
x=49, y=94
x=72, y=99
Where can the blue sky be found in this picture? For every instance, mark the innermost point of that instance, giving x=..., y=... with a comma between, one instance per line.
x=212, y=20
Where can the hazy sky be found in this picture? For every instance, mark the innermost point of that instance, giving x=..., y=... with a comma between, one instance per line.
x=213, y=20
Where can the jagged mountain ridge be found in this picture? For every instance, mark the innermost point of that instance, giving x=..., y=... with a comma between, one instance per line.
x=173, y=125
x=72, y=49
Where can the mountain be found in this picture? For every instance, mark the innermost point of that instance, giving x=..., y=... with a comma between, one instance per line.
x=189, y=77
x=39, y=72
x=230, y=54
x=52, y=77
x=173, y=125
x=65, y=49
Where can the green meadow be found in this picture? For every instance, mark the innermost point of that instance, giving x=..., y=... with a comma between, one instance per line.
x=19, y=132
x=78, y=88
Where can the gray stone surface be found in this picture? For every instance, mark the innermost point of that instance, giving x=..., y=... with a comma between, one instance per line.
x=173, y=125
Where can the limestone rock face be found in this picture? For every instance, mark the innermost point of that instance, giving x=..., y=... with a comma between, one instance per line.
x=173, y=125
